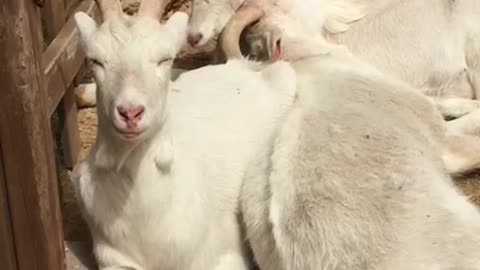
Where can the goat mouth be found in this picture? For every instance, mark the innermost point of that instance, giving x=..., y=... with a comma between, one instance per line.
x=276, y=51
x=129, y=134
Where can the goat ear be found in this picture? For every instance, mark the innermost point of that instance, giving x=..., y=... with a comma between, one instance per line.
x=86, y=27
x=177, y=25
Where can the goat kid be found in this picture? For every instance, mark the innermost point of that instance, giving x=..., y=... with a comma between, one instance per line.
x=441, y=63
x=375, y=31
x=353, y=178
x=159, y=189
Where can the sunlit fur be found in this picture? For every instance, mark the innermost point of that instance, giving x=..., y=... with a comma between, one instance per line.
x=169, y=198
x=210, y=17
x=434, y=47
x=353, y=180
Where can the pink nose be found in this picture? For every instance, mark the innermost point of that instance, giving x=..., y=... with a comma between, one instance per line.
x=194, y=39
x=131, y=114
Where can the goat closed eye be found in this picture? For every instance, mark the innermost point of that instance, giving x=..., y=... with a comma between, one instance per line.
x=165, y=61
x=95, y=62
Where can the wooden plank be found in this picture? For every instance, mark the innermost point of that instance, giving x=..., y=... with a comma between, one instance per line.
x=70, y=134
x=63, y=58
x=7, y=247
x=27, y=142
x=53, y=14
x=71, y=6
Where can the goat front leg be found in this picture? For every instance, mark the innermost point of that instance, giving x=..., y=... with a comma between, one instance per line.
x=109, y=258
x=454, y=107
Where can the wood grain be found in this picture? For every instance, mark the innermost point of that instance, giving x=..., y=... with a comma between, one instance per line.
x=26, y=140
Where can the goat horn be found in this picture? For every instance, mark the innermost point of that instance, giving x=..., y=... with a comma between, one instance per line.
x=230, y=38
x=109, y=8
x=152, y=8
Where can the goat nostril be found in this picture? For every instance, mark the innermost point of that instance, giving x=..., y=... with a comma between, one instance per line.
x=138, y=111
x=194, y=39
x=122, y=112
x=131, y=113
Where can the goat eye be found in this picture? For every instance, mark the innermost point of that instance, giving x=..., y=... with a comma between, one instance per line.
x=163, y=61
x=95, y=62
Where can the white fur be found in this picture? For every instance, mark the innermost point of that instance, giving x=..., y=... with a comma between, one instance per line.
x=353, y=179
x=433, y=46
x=85, y=95
x=168, y=198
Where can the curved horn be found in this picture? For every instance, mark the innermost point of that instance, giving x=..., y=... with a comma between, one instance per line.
x=230, y=37
x=152, y=8
x=109, y=8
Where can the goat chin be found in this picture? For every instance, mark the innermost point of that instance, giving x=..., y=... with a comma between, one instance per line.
x=353, y=179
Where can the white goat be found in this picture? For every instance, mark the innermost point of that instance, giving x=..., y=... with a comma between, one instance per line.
x=353, y=179
x=433, y=45
x=379, y=39
x=160, y=188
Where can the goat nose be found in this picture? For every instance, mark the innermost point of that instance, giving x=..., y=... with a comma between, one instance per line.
x=131, y=113
x=194, y=39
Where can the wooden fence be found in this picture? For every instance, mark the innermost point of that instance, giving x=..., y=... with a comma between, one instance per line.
x=40, y=63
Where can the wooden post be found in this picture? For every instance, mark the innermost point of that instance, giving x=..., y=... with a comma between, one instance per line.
x=55, y=17
x=26, y=141
x=53, y=13
x=7, y=247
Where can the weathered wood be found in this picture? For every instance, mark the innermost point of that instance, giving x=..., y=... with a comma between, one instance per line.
x=70, y=134
x=53, y=14
x=27, y=142
x=71, y=6
x=63, y=58
x=7, y=248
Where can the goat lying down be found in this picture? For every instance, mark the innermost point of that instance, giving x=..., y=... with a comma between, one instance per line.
x=160, y=188
x=391, y=35
x=353, y=181
x=353, y=178
x=433, y=45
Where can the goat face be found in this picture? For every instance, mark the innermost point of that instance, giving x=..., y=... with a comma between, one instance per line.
x=208, y=19
x=131, y=58
x=261, y=42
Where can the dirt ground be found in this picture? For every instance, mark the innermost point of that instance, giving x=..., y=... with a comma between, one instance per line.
x=74, y=227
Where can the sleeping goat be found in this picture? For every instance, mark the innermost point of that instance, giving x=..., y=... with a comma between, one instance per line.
x=461, y=148
x=353, y=178
x=432, y=45
x=159, y=190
